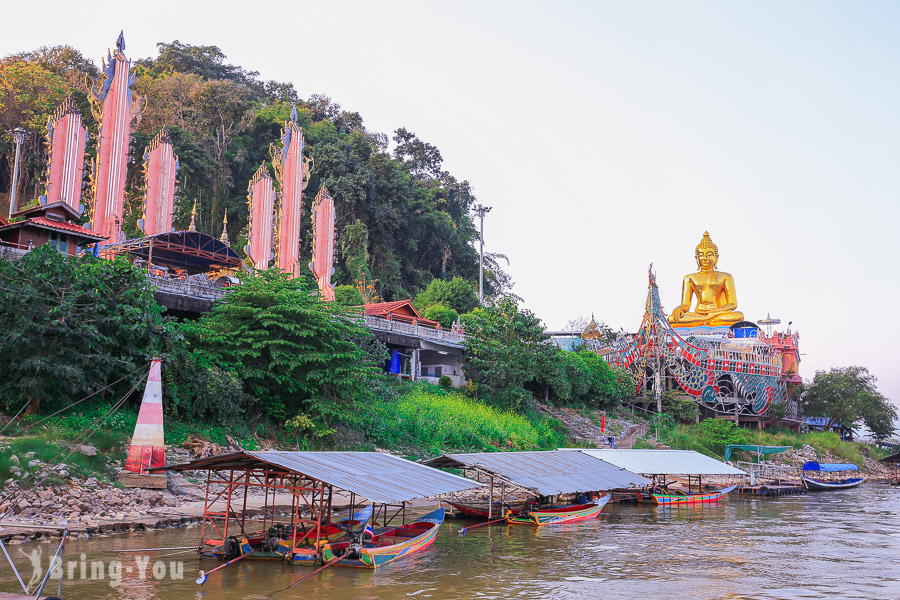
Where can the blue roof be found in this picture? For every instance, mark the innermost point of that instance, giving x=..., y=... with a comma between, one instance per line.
x=829, y=467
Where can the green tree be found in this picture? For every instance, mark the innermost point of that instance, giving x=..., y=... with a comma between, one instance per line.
x=679, y=406
x=505, y=349
x=849, y=395
x=294, y=352
x=583, y=379
x=443, y=314
x=73, y=325
x=717, y=433
x=348, y=295
x=456, y=294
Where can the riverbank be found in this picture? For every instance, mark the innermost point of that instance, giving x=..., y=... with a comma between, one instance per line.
x=82, y=493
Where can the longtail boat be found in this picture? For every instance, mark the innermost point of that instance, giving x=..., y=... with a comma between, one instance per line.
x=559, y=515
x=686, y=498
x=814, y=484
x=386, y=546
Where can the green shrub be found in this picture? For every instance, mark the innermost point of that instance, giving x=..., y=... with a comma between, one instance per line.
x=445, y=382
x=348, y=295
x=717, y=433
x=682, y=408
x=443, y=314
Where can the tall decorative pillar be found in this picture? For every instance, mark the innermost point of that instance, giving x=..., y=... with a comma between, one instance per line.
x=292, y=172
x=261, y=200
x=160, y=170
x=114, y=98
x=66, y=138
x=322, y=264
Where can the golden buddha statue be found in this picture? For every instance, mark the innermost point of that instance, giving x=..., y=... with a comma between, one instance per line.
x=716, y=298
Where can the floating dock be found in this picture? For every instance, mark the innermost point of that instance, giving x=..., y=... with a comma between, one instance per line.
x=785, y=489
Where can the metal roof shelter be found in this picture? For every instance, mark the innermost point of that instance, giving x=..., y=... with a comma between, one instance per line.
x=663, y=462
x=310, y=479
x=378, y=477
x=192, y=251
x=546, y=473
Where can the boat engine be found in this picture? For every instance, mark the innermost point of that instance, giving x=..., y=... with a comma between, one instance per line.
x=232, y=548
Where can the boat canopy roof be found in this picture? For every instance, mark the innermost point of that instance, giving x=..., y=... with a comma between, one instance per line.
x=376, y=476
x=892, y=459
x=829, y=467
x=664, y=462
x=765, y=450
x=544, y=472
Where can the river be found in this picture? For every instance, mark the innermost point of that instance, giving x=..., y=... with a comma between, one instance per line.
x=824, y=545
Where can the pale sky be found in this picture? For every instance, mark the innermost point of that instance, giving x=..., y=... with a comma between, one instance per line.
x=609, y=135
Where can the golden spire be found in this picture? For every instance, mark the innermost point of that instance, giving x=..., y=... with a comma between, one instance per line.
x=224, y=236
x=192, y=226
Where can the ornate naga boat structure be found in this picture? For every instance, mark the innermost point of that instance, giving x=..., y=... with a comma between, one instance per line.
x=711, y=354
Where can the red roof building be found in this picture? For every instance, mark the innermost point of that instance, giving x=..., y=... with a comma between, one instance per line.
x=401, y=310
x=47, y=224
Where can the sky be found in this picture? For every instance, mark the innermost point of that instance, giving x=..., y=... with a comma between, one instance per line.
x=607, y=136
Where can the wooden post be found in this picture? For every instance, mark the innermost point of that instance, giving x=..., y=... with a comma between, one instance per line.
x=295, y=513
x=491, y=500
x=228, y=505
x=244, y=509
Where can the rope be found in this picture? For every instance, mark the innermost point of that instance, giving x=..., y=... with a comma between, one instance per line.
x=144, y=366
x=24, y=406
x=84, y=436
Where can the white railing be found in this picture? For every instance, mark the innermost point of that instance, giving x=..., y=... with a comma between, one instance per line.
x=768, y=473
x=440, y=335
x=186, y=287
x=10, y=252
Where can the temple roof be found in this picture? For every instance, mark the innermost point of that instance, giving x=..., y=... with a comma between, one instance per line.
x=43, y=208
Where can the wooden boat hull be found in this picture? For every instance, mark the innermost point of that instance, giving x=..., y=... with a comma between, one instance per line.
x=378, y=553
x=670, y=499
x=557, y=516
x=817, y=485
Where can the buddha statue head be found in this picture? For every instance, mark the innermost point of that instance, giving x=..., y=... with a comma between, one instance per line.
x=707, y=254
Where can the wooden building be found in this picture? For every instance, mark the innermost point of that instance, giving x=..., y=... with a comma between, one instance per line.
x=47, y=224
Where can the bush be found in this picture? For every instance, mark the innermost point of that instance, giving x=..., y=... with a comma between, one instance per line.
x=443, y=314
x=348, y=295
x=718, y=433
x=445, y=382
x=680, y=407
x=197, y=391
x=455, y=294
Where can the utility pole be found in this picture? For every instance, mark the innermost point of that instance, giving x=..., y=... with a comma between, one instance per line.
x=481, y=211
x=18, y=135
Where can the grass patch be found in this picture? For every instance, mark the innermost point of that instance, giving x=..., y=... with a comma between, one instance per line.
x=423, y=421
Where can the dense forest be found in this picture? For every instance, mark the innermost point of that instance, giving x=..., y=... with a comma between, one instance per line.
x=401, y=220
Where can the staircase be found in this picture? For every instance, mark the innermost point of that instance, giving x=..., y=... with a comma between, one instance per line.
x=582, y=430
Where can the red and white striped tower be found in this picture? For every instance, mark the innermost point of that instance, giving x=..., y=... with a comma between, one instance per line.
x=322, y=264
x=112, y=152
x=160, y=169
x=292, y=172
x=148, y=445
x=66, y=137
x=261, y=199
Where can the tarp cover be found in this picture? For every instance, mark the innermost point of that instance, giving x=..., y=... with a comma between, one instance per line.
x=766, y=450
x=829, y=467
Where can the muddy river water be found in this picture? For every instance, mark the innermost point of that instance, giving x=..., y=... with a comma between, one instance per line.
x=827, y=545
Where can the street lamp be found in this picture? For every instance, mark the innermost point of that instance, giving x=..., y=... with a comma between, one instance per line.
x=481, y=211
x=19, y=135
